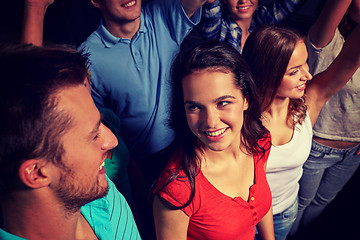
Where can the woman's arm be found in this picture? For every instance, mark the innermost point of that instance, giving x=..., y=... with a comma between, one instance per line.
x=266, y=226
x=278, y=11
x=191, y=6
x=323, y=30
x=33, y=23
x=169, y=224
x=354, y=12
x=324, y=85
x=330, y=81
x=210, y=24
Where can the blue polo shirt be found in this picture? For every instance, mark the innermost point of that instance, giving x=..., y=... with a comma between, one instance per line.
x=131, y=77
x=110, y=217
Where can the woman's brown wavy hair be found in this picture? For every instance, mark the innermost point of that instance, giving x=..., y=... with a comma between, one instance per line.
x=267, y=51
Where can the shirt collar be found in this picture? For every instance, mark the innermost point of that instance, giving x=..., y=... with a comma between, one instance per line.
x=231, y=24
x=110, y=40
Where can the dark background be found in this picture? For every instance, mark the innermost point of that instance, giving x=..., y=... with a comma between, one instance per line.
x=71, y=21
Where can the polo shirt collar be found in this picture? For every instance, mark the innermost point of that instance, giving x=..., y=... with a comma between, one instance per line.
x=110, y=40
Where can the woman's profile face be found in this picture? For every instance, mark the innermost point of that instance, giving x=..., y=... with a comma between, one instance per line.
x=214, y=108
x=297, y=74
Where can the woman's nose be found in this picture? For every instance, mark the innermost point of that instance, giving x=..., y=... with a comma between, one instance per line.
x=306, y=75
x=210, y=118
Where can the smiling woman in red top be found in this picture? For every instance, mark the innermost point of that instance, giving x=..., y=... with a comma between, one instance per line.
x=214, y=187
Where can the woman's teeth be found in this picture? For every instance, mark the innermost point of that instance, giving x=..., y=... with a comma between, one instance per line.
x=301, y=86
x=243, y=8
x=216, y=133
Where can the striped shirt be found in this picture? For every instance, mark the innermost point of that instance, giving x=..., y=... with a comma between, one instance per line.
x=110, y=217
x=216, y=22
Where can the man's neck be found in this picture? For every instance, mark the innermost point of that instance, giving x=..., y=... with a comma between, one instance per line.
x=123, y=30
x=39, y=219
x=84, y=230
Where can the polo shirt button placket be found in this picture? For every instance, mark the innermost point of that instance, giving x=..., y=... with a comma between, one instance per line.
x=138, y=59
x=252, y=207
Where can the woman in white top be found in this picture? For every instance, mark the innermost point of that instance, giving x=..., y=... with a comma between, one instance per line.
x=277, y=57
x=335, y=151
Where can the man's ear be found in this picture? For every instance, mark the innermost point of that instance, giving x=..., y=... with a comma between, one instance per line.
x=96, y=3
x=33, y=173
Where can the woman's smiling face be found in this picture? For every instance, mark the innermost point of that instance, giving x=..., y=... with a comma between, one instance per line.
x=214, y=108
x=241, y=9
x=297, y=74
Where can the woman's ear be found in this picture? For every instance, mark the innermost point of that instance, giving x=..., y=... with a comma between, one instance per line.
x=33, y=173
x=246, y=103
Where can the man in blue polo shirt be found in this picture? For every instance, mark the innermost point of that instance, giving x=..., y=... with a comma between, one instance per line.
x=131, y=54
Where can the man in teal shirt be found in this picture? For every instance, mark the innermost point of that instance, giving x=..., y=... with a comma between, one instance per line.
x=53, y=146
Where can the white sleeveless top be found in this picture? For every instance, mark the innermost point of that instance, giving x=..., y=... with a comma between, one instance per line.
x=284, y=166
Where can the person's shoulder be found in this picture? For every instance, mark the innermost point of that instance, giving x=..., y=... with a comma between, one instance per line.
x=93, y=39
x=173, y=177
x=265, y=140
x=263, y=147
x=8, y=236
x=172, y=168
x=95, y=42
x=176, y=191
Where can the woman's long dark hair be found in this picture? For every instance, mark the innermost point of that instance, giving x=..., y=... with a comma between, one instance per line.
x=214, y=56
x=267, y=51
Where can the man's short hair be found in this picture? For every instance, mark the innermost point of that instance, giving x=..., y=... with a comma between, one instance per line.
x=31, y=125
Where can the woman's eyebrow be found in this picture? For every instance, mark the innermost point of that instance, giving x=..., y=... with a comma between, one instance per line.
x=223, y=98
